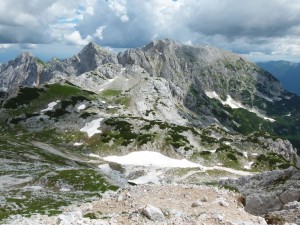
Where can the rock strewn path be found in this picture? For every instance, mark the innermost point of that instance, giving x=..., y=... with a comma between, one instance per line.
x=178, y=204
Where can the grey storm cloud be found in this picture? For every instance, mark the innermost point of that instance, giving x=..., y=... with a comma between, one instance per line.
x=231, y=24
x=271, y=27
x=30, y=21
x=131, y=23
x=254, y=18
x=129, y=27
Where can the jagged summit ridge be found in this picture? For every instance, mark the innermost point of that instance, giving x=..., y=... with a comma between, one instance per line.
x=88, y=59
x=165, y=58
x=97, y=54
x=203, y=69
x=190, y=72
x=25, y=56
x=24, y=70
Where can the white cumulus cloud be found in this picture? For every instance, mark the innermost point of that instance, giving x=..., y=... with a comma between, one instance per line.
x=246, y=27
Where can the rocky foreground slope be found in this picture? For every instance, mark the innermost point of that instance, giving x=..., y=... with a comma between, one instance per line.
x=156, y=204
x=274, y=193
x=70, y=127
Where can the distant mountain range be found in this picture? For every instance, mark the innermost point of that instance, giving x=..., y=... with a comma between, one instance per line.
x=288, y=73
x=61, y=121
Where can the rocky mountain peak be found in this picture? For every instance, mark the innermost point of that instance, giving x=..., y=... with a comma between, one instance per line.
x=88, y=59
x=23, y=70
x=97, y=54
x=91, y=48
x=24, y=57
x=207, y=68
x=160, y=44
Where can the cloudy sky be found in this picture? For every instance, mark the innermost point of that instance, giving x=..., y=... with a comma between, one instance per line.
x=259, y=29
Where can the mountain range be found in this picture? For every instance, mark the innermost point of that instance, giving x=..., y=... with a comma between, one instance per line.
x=287, y=72
x=64, y=120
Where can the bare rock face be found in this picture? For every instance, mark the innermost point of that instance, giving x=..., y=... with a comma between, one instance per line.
x=29, y=71
x=88, y=59
x=283, y=148
x=288, y=215
x=202, y=68
x=270, y=191
x=24, y=70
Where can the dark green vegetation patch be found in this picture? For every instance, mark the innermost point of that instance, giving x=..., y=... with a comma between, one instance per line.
x=47, y=181
x=121, y=130
x=23, y=98
x=272, y=161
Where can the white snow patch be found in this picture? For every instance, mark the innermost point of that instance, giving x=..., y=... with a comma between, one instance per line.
x=254, y=154
x=108, y=82
x=289, y=114
x=112, y=107
x=81, y=107
x=227, y=142
x=150, y=159
x=154, y=164
x=94, y=156
x=248, y=166
x=229, y=101
x=103, y=102
x=245, y=154
x=50, y=106
x=232, y=103
x=34, y=187
x=64, y=189
x=268, y=118
x=212, y=94
x=91, y=128
x=78, y=144
x=235, y=104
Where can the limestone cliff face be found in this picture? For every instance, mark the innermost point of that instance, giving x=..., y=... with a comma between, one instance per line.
x=88, y=59
x=24, y=70
x=29, y=71
x=193, y=76
x=204, y=69
x=185, y=67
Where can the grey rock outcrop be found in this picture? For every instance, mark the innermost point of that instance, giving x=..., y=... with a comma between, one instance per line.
x=27, y=70
x=190, y=72
x=203, y=69
x=281, y=147
x=24, y=70
x=88, y=59
x=270, y=191
x=289, y=215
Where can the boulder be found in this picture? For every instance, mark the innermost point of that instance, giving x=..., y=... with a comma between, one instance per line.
x=153, y=213
x=290, y=195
